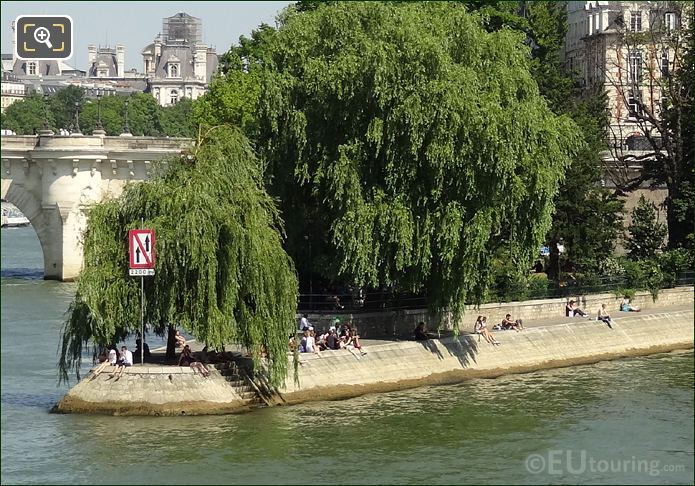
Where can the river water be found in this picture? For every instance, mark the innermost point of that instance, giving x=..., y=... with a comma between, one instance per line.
x=621, y=422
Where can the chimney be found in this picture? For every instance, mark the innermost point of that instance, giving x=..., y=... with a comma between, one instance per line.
x=120, y=60
x=91, y=55
x=157, y=48
x=200, y=61
x=14, y=44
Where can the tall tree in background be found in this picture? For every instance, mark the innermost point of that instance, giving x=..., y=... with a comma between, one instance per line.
x=221, y=271
x=646, y=234
x=26, y=117
x=588, y=216
x=145, y=116
x=420, y=139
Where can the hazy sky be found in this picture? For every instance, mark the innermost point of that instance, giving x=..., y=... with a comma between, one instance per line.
x=135, y=24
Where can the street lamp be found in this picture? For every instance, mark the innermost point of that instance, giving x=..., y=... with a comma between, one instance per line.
x=45, y=111
x=126, y=128
x=77, y=118
x=99, y=125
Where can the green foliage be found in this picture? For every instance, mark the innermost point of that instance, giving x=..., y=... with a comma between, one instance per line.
x=145, y=116
x=644, y=275
x=221, y=272
x=62, y=105
x=421, y=138
x=588, y=217
x=646, y=234
x=674, y=263
x=26, y=117
x=178, y=120
x=232, y=99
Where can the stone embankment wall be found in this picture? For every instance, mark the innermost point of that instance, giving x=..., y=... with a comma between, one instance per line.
x=401, y=323
x=405, y=364
x=173, y=390
x=153, y=390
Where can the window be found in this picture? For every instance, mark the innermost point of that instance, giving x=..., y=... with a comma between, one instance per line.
x=173, y=96
x=173, y=70
x=635, y=66
x=664, y=62
x=634, y=103
x=31, y=67
x=670, y=20
x=636, y=21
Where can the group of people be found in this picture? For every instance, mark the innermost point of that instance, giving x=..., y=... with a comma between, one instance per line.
x=335, y=338
x=573, y=310
x=119, y=360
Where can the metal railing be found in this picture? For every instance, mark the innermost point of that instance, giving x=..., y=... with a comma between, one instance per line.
x=357, y=302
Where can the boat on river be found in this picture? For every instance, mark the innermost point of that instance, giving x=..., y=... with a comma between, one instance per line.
x=12, y=217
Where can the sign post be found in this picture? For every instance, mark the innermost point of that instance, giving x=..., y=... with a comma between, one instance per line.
x=141, y=245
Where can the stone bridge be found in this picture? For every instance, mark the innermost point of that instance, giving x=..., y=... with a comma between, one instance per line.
x=52, y=179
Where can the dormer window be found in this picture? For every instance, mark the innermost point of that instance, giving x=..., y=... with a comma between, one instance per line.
x=174, y=70
x=31, y=68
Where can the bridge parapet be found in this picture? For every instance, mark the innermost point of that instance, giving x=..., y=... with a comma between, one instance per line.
x=52, y=179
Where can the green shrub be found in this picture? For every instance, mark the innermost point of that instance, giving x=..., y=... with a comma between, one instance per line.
x=673, y=263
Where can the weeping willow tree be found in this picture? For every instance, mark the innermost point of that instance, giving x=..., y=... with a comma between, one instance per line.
x=221, y=271
x=410, y=144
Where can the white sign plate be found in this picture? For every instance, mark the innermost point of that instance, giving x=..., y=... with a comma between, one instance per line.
x=140, y=272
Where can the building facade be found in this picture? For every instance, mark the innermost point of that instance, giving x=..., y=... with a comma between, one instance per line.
x=629, y=50
x=177, y=64
x=12, y=90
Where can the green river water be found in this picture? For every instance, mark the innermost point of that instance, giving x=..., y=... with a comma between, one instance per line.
x=621, y=422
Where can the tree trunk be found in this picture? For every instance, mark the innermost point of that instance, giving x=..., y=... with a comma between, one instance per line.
x=171, y=342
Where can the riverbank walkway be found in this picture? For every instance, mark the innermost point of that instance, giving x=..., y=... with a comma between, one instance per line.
x=158, y=354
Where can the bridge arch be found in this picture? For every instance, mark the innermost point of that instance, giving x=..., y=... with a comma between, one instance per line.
x=27, y=203
x=51, y=178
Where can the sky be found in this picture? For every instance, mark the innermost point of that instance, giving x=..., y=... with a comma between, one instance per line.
x=135, y=24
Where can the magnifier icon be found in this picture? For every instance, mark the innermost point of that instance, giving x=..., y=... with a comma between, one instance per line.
x=43, y=36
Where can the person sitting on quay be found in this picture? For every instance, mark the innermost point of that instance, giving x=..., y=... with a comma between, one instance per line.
x=421, y=333
x=292, y=343
x=180, y=340
x=187, y=359
x=625, y=305
x=322, y=340
x=111, y=360
x=308, y=342
x=123, y=362
x=352, y=338
x=103, y=363
x=304, y=323
x=573, y=310
x=509, y=323
x=147, y=353
x=333, y=341
x=480, y=327
x=603, y=316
